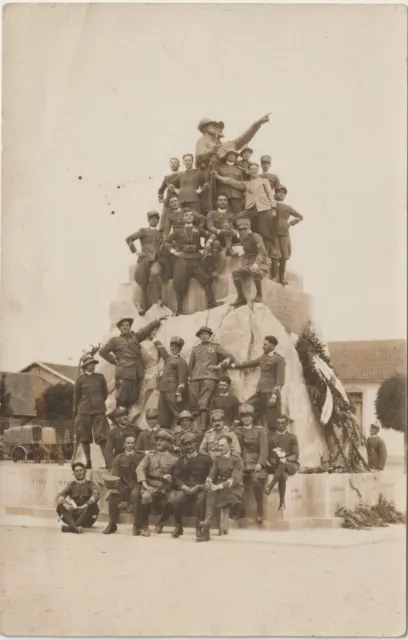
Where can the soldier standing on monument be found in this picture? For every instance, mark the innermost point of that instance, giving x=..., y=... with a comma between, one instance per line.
x=173, y=218
x=255, y=262
x=209, y=444
x=116, y=438
x=283, y=458
x=188, y=184
x=163, y=193
x=77, y=503
x=123, y=352
x=90, y=393
x=245, y=155
x=221, y=226
x=225, y=401
x=273, y=179
x=172, y=384
x=202, y=375
x=148, y=267
x=229, y=169
x=192, y=261
x=271, y=379
x=146, y=441
x=283, y=213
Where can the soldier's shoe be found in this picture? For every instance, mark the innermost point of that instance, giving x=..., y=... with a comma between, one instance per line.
x=136, y=530
x=267, y=490
x=259, y=518
x=239, y=302
x=79, y=529
x=283, y=282
x=159, y=528
x=111, y=528
x=142, y=312
x=212, y=305
x=257, y=298
x=66, y=529
x=282, y=506
x=160, y=302
x=88, y=465
x=206, y=523
x=203, y=536
x=145, y=532
x=177, y=532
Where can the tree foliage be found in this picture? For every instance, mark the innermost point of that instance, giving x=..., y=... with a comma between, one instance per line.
x=56, y=403
x=391, y=403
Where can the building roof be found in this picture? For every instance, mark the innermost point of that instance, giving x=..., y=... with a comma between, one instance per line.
x=22, y=390
x=66, y=372
x=368, y=360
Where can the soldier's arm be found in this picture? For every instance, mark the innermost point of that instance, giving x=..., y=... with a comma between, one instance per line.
x=269, y=193
x=260, y=250
x=162, y=189
x=237, y=184
x=247, y=136
x=77, y=395
x=263, y=447
x=213, y=473
x=142, y=468
x=203, y=153
x=144, y=333
x=247, y=364
x=140, y=445
x=172, y=242
x=382, y=455
x=115, y=469
x=294, y=455
x=165, y=225
x=109, y=450
x=106, y=352
x=64, y=493
x=297, y=217
x=236, y=474
x=280, y=371
x=225, y=357
x=163, y=353
x=210, y=224
x=104, y=387
x=178, y=474
x=236, y=447
x=95, y=494
x=199, y=220
x=204, y=445
x=182, y=374
x=191, y=363
x=132, y=238
x=235, y=408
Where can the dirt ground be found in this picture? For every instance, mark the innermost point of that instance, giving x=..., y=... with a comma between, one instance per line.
x=64, y=584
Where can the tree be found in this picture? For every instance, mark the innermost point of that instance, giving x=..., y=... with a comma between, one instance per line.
x=391, y=405
x=56, y=403
x=6, y=410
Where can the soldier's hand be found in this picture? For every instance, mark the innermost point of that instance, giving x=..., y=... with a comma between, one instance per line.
x=171, y=187
x=254, y=268
x=161, y=199
x=258, y=467
x=214, y=367
x=167, y=477
x=177, y=254
x=132, y=248
x=146, y=486
x=264, y=119
x=178, y=397
x=205, y=186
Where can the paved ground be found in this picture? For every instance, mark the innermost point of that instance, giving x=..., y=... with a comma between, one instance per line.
x=295, y=583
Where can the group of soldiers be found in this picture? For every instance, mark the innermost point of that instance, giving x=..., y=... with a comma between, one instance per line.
x=220, y=200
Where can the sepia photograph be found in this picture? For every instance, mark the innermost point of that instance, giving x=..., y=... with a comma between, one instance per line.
x=203, y=355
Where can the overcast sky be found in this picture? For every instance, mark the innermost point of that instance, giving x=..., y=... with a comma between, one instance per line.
x=110, y=92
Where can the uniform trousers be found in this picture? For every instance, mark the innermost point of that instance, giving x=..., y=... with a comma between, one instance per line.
x=195, y=206
x=125, y=494
x=90, y=427
x=200, y=394
x=236, y=205
x=148, y=272
x=79, y=517
x=180, y=501
x=127, y=391
x=262, y=408
x=168, y=408
x=186, y=268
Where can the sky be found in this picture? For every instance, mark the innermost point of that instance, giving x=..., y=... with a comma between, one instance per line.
x=108, y=93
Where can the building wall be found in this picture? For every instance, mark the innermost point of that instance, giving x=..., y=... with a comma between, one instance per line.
x=49, y=378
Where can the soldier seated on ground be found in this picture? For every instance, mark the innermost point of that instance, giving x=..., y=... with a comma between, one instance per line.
x=221, y=225
x=284, y=249
x=283, y=458
x=185, y=424
x=376, y=449
x=210, y=443
x=116, y=438
x=223, y=399
x=154, y=473
x=77, y=503
x=189, y=475
x=224, y=484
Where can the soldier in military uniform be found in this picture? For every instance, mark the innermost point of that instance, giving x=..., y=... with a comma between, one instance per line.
x=221, y=226
x=202, y=375
x=90, y=393
x=190, y=473
x=173, y=218
x=148, y=267
x=172, y=384
x=225, y=401
x=126, y=488
x=116, y=438
x=283, y=214
x=210, y=442
x=146, y=441
x=283, y=458
x=273, y=179
x=224, y=484
x=123, y=352
x=163, y=192
x=192, y=260
x=254, y=453
x=255, y=264
x=229, y=169
x=271, y=379
x=155, y=475
x=189, y=184
x=77, y=503
x=245, y=160
x=376, y=449
x=185, y=424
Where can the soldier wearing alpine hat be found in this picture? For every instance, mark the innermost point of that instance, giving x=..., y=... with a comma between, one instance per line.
x=172, y=384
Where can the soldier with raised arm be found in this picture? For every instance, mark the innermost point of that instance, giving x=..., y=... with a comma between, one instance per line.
x=172, y=384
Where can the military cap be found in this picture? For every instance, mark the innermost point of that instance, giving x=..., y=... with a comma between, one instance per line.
x=224, y=379
x=177, y=340
x=188, y=437
x=243, y=222
x=185, y=414
x=245, y=149
x=119, y=322
x=271, y=339
x=230, y=150
x=281, y=187
x=203, y=330
x=87, y=360
x=152, y=214
x=265, y=159
x=217, y=414
x=77, y=464
x=165, y=435
x=120, y=411
x=206, y=121
x=375, y=425
x=246, y=410
x=282, y=418
x=111, y=483
x=152, y=413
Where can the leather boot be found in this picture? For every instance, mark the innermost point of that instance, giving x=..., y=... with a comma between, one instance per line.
x=258, y=285
x=282, y=266
x=113, y=516
x=143, y=302
x=274, y=269
x=240, y=301
x=179, y=309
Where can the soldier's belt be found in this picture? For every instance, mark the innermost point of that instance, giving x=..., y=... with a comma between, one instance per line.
x=189, y=248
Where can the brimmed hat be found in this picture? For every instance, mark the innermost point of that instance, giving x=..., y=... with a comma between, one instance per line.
x=185, y=414
x=206, y=121
x=281, y=187
x=111, y=482
x=246, y=410
x=188, y=437
x=77, y=464
x=165, y=435
x=265, y=159
x=203, y=330
x=375, y=425
x=245, y=149
x=177, y=340
x=217, y=414
x=230, y=150
x=243, y=222
x=120, y=411
x=152, y=413
x=152, y=214
x=87, y=360
x=121, y=320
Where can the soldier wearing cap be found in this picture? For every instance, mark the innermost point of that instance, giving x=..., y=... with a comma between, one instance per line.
x=123, y=352
x=124, y=487
x=90, y=393
x=188, y=184
x=283, y=223
x=173, y=218
x=116, y=438
x=254, y=453
x=202, y=372
x=376, y=449
x=255, y=263
x=146, y=441
x=155, y=475
x=283, y=458
x=271, y=379
x=172, y=384
x=245, y=160
x=189, y=476
x=273, y=179
x=210, y=442
x=229, y=169
x=186, y=424
x=224, y=484
x=163, y=189
x=192, y=260
x=225, y=401
x=77, y=503
x=148, y=267
x=221, y=226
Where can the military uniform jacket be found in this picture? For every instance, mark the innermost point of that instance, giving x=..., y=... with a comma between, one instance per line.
x=90, y=393
x=154, y=466
x=187, y=240
x=115, y=443
x=272, y=373
x=166, y=181
x=209, y=444
x=206, y=146
x=150, y=240
x=272, y=178
x=124, y=466
x=188, y=182
x=283, y=212
x=204, y=355
x=230, y=171
x=254, y=250
x=376, y=453
x=172, y=220
x=179, y=432
x=217, y=220
x=258, y=192
x=286, y=441
x=191, y=470
x=146, y=440
x=127, y=351
x=174, y=376
x=228, y=468
x=254, y=446
x=229, y=404
x=79, y=492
